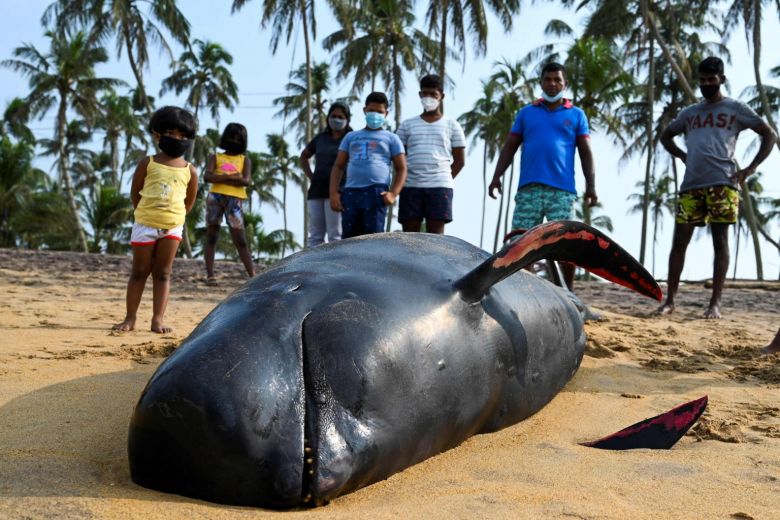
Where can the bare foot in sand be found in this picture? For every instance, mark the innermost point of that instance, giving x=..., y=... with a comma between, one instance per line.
x=160, y=328
x=712, y=312
x=664, y=310
x=125, y=326
x=774, y=347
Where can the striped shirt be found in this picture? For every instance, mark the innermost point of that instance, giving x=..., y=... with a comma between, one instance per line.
x=429, y=151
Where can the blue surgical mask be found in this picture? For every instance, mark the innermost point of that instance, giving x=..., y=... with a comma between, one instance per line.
x=552, y=99
x=374, y=120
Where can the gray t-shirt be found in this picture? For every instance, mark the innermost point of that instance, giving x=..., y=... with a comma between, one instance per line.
x=711, y=131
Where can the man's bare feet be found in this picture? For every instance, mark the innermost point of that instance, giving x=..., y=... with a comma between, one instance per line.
x=712, y=312
x=127, y=325
x=665, y=309
x=160, y=328
x=774, y=346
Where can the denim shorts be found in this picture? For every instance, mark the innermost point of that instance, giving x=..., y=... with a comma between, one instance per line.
x=425, y=204
x=219, y=205
x=534, y=202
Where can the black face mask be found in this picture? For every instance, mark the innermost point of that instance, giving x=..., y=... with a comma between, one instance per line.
x=709, y=91
x=233, y=149
x=173, y=147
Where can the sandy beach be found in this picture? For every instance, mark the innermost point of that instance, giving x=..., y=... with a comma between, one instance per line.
x=68, y=385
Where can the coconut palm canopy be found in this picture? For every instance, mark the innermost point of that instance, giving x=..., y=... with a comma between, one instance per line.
x=79, y=78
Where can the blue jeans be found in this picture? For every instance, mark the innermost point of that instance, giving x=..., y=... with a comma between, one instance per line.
x=364, y=211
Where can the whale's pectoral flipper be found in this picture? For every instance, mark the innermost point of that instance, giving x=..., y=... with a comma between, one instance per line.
x=660, y=432
x=562, y=240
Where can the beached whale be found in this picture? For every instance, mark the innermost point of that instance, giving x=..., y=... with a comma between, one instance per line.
x=346, y=363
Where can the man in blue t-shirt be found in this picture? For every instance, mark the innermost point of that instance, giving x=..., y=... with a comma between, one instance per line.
x=549, y=129
x=369, y=156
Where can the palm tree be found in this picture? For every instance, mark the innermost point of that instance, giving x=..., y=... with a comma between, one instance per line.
x=481, y=122
x=279, y=161
x=15, y=119
x=751, y=14
x=117, y=119
x=108, y=213
x=282, y=15
x=134, y=30
x=295, y=102
x=459, y=17
x=661, y=201
x=264, y=181
x=201, y=72
x=274, y=243
x=18, y=180
x=65, y=76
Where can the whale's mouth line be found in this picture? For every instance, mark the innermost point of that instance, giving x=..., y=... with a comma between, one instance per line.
x=309, y=426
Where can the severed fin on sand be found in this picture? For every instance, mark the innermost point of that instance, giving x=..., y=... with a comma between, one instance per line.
x=658, y=433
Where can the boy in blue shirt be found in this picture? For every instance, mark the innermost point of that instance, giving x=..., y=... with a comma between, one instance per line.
x=369, y=156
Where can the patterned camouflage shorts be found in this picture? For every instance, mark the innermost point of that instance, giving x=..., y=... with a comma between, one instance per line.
x=713, y=205
x=534, y=202
x=219, y=205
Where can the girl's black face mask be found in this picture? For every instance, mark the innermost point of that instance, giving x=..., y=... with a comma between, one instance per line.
x=233, y=148
x=173, y=147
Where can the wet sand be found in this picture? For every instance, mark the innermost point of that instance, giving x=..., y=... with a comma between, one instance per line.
x=68, y=385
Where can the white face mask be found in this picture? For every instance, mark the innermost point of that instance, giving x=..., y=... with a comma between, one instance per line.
x=552, y=99
x=429, y=103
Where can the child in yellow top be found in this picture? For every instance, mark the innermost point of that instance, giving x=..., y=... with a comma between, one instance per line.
x=229, y=174
x=163, y=192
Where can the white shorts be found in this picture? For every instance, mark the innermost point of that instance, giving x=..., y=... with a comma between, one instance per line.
x=147, y=236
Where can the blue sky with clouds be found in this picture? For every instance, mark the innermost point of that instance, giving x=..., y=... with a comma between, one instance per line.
x=261, y=76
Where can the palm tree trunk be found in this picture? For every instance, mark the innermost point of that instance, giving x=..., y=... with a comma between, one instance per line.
x=484, y=193
x=650, y=24
x=750, y=216
x=649, y=164
x=137, y=72
x=443, y=44
x=304, y=181
x=185, y=237
x=284, y=208
x=397, y=103
x=767, y=112
x=65, y=174
x=114, y=147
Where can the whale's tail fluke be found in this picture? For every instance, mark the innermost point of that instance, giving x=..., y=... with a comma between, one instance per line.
x=660, y=432
x=563, y=240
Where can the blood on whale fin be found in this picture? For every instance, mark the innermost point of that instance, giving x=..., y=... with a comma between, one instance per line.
x=563, y=240
x=660, y=432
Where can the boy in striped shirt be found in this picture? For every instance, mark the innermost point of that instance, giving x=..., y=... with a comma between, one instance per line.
x=435, y=151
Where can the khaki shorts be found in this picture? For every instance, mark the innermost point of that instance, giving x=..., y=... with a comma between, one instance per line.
x=713, y=205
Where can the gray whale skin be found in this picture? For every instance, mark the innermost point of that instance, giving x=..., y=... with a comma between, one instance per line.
x=348, y=362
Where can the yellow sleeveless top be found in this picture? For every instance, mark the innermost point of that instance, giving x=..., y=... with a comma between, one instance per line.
x=162, y=197
x=229, y=164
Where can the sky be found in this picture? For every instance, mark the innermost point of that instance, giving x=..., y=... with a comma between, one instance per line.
x=261, y=76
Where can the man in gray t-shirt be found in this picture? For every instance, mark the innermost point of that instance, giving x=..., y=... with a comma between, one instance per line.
x=708, y=194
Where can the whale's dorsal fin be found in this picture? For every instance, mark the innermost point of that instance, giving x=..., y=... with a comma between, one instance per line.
x=564, y=240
